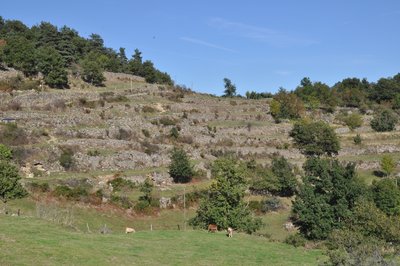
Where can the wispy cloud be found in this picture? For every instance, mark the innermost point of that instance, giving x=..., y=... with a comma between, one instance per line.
x=267, y=35
x=207, y=44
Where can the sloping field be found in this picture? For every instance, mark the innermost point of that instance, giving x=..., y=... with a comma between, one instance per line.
x=31, y=241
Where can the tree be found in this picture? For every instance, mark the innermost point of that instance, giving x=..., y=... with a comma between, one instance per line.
x=386, y=196
x=315, y=138
x=92, y=70
x=387, y=164
x=10, y=188
x=326, y=197
x=146, y=188
x=51, y=65
x=384, y=121
x=224, y=205
x=286, y=179
x=180, y=168
x=230, y=88
x=286, y=105
x=19, y=53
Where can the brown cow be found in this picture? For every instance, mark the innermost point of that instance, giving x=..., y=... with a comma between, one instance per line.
x=212, y=228
x=230, y=231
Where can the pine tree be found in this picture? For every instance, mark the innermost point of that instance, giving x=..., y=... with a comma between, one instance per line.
x=180, y=168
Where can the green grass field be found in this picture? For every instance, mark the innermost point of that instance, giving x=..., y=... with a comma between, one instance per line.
x=31, y=241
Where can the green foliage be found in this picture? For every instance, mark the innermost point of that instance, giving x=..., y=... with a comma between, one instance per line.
x=51, y=65
x=315, y=138
x=120, y=184
x=258, y=95
x=351, y=92
x=39, y=187
x=10, y=188
x=224, y=205
x=5, y=153
x=76, y=193
x=386, y=196
x=286, y=179
x=396, y=102
x=353, y=120
x=66, y=159
x=174, y=133
x=146, y=133
x=230, y=88
x=146, y=188
x=348, y=247
x=384, y=121
x=357, y=139
x=180, y=168
x=19, y=53
x=387, y=164
x=167, y=121
x=296, y=240
x=315, y=94
x=326, y=197
x=92, y=69
x=286, y=105
x=271, y=204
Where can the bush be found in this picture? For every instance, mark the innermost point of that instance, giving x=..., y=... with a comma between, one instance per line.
x=384, y=121
x=93, y=153
x=353, y=121
x=174, y=133
x=315, y=138
x=77, y=193
x=271, y=204
x=66, y=159
x=167, y=121
x=120, y=184
x=148, y=109
x=296, y=240
x=39, y=187
x=146, y=133
x=122, y=201
x=357, y=139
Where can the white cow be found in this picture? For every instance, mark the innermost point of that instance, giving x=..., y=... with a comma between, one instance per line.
x=129, y=230
x=230, y=231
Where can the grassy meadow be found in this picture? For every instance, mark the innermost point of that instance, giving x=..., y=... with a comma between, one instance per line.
x=32, y=241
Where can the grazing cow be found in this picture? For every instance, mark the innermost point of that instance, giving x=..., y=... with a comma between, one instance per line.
x=212, y=228
x=230, y=231
x=288, y=226
x=129, y=230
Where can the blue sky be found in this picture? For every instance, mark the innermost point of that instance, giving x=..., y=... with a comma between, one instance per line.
x=259, y=45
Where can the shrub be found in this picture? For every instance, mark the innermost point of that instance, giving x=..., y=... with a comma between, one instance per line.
x=39, y=187
x=271, y=204
x=384, y=121
x=122, y=201
x=77, y=193
x=93, y=153
x=353, y=121
x=296, y=240
x=149, y=148
x=120, y=183
x=174, y=133
x=167, y=121
x=66, y=159
x=357, y=139
x=148, y=109
x=5, y=153
x=315, y=138
x=146, y=133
